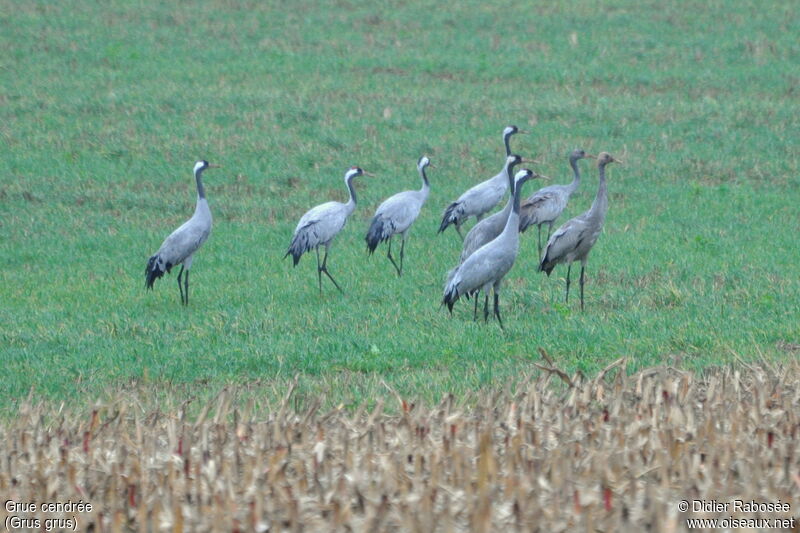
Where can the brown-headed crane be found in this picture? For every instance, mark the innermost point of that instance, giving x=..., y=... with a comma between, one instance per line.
x=574, y=240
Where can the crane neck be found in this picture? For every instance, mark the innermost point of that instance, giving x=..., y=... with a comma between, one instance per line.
x=576, y=175
x=509, y=170
x=201, y=191
x=424, y=176
x=512, y=223
x=600, y=204
x=351, y=203
x=517, y=195
x=506, y=141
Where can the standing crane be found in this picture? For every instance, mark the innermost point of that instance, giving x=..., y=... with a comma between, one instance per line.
x=321, y=224
x=396, y=214
x=574, y=240
x=481, y=198
x=486, y=267
x=490, y=227
x=180, y=246
x=545, y=205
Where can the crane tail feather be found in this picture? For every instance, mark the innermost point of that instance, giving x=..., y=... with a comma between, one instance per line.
x=295, y=255
x=299, y=246
x=547, y=266
x=375, y=234
x=451, y=294
x=525, y=222
x=450, y=216
x=155, y=269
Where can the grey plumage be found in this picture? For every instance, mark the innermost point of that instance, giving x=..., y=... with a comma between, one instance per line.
x=320, y=224
x=575, y=238
x=179, y=247
x=481, y=198
x=396, y=214
x=490, y=227
x=546, y=205
x=488, y=265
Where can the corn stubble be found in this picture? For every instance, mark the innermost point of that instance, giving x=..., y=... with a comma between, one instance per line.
x=560, y=454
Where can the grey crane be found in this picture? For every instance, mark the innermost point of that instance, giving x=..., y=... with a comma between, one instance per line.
x=396, y=214
x=546, y=205
x=486, y=267
x=321, y=224
x=180, y=246
x=481, y=198
x=574, y=240
x=490, y=227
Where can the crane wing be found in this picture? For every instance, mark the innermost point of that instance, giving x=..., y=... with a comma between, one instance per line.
x=566, y=241
x=400, y=210
x=538, y=199
x=184, y=241
x=486, y=265
x=483, y=196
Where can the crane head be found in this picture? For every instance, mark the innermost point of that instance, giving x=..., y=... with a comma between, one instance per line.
x=522, y=176
x=202, y=165
x=526, y=174
x=605, y=158
x=580, y=154
x=354, y=171
x=423, y=162
x=511, y=130
x=515, y=159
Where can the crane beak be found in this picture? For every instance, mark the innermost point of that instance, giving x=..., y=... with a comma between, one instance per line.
x=368, y=173
x=542, y=177
x=621, y=162
x=214, y=166
x=590, y=156
x=522, y=131
x=536, y=161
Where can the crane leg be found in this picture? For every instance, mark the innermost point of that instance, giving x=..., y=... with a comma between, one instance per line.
x=180, y=287
x=402, y=254
x=475, y=312
x=485, y=306
x=458, y=229
x=399, y=269
x=582, y=269
x=497, y=310
x=549, y=229
x=186, y=286
x=540, y=241
x=568, y=269
x=319, y=270
x=325, y=270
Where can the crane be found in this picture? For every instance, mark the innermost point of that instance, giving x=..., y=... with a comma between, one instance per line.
x=545, y=205
x=481, y=198
x=486, y=267
x=396, y=214
x=574, y=240
x=321, y=224
x=180, y=246
x=489, y=228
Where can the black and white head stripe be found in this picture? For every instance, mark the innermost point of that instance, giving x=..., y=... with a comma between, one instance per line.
x=200, y=165
x=522, y=173
x=353, y=172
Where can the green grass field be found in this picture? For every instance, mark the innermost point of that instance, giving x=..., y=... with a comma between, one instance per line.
x=105, y=107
